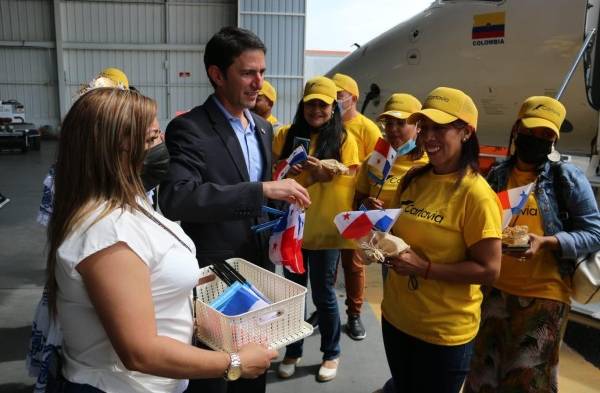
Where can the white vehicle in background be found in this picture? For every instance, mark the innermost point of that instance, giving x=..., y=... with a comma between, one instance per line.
x=499, y=52
x=15, y=133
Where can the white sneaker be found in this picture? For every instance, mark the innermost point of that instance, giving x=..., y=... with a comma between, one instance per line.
x=328, y=374
x=287, y=370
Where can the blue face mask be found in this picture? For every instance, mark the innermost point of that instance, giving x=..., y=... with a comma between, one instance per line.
x=407, y=147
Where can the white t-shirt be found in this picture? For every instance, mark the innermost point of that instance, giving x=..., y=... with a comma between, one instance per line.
x=89, y=355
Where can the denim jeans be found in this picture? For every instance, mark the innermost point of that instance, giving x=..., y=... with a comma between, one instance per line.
x=421, y=367
x=321, y=267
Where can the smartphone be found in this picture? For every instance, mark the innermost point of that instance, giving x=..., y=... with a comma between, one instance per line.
x=302, y=141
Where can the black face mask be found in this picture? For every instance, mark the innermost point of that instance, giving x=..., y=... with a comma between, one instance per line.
x=156, y=166
x=532, y=150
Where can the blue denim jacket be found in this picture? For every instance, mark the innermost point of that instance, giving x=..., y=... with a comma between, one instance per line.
x=577, y=197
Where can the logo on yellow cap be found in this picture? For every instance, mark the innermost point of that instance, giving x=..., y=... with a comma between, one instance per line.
x=320, y=88
x=445, y=105
x=542, y=111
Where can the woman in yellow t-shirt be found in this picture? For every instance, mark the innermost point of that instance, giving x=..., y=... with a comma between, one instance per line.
x=451, y=220
x=318, y=120
x=525, y=314
x=402, y=136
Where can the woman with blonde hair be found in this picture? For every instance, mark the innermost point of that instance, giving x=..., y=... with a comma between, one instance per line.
x=120, y=276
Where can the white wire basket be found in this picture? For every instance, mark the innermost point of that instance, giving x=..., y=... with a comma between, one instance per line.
x=275, y=326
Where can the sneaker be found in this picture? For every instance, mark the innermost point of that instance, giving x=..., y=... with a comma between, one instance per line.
x=313, y=319
x=327, y=374
x=3, y=200
x=355, y=328
x=286, y=370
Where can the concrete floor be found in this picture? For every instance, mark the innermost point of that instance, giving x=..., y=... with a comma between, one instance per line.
x=363, y=367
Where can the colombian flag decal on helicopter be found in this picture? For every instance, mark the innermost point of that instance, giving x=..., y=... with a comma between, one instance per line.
x=488, y=25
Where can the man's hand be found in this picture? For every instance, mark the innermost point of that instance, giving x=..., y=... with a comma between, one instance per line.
x=286, y=190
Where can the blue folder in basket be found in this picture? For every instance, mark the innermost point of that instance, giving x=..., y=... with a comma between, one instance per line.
x=238, y=299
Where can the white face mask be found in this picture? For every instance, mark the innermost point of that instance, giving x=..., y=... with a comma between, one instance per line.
x=341, y=103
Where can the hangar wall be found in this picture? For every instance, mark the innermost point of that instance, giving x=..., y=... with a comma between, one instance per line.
x=49, y=48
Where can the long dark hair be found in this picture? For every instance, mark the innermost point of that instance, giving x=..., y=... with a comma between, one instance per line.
x=469, y=159
x=100, y=156
x=331, y=135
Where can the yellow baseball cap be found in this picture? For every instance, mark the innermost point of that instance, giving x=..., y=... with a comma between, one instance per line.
x=116, y=75
x=344, y=82
x=400, y=106
x=542, y=111
x=268, y=91
x=445, y=105
x=320, y=88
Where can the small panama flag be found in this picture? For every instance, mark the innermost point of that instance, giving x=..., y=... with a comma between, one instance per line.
x=285, y=243
x=513, y=201
x=283, y=167
x=381, y=161
x=356, y=224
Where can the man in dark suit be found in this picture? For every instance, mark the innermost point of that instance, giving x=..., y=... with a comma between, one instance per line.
x=220, y=168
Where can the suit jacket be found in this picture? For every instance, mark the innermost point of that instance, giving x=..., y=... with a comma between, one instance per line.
x=208, y=188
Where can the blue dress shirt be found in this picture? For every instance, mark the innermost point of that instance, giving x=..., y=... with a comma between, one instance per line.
x=249, y=141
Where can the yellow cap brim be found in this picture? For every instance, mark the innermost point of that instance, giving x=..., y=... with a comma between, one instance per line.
x=434, y=115
x=322, y=97
x=396, y=114
x=533, y=122
x=260, y=93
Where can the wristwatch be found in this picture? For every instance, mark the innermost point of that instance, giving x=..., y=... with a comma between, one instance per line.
x=234, y=371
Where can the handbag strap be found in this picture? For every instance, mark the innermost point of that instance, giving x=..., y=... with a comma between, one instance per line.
x=163, y=226
x=563, y=213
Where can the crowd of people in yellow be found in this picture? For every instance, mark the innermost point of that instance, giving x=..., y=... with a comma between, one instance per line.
x=458, y=310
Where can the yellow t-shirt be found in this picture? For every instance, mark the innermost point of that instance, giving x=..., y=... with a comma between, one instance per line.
x=365, y=132
x=539, y=276
x=440, y=222
x=366, y=186
x=327, y=199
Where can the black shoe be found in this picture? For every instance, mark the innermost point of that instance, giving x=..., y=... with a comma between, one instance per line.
x=313, y=319
x=355, y=328
x=3, y=200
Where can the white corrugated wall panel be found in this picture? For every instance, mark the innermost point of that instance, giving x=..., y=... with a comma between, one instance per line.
x=189, y=85
x=145, y=70
x=28, y=76
x=26, y=20
x=28, y=73
x=113, y=22
x=193, y=23
x=281, y=25
x=196, y=23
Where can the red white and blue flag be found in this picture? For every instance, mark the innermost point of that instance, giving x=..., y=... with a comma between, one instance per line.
x=285, y=243
x=356, y=224
x=381, y=161
x=283, y=167
x=513, y=201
